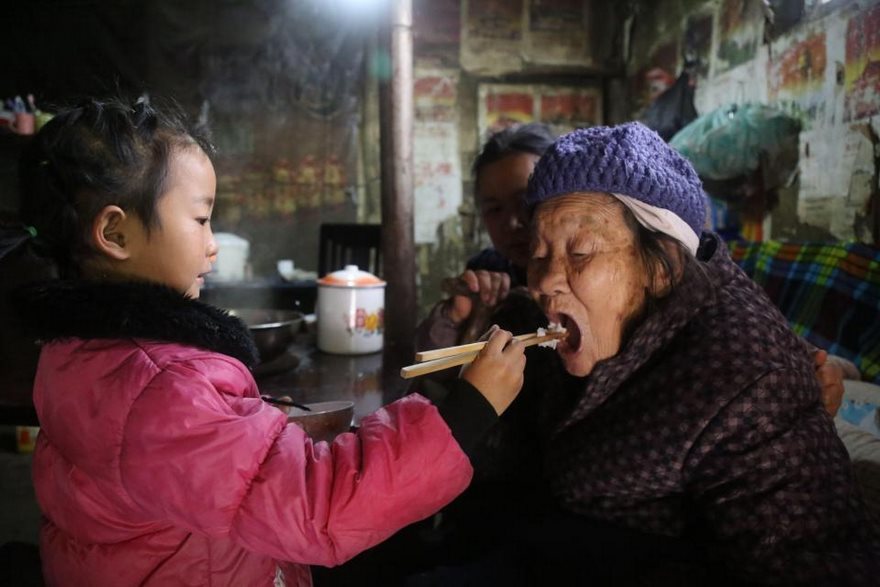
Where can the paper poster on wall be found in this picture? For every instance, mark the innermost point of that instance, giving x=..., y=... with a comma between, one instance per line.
x=565, y=109
x=285, y=179
x=656, y=76
x=836, y=178
x=501, y=106
x=491, y=35
x=562, y=108
x=747, y=83
x=435, y=94
x=818, y=178
x=863, y=178
x=862, y=77
x=797, y=74
x=557, y=32
x=302, y=173
x=436, y=177
x=855, y=176
x=818, y=163
x=436, y=24
x=436, y=158
x=741, y=26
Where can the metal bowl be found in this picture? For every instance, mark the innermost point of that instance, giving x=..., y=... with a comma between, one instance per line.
x=272, y=330
x=325, y=420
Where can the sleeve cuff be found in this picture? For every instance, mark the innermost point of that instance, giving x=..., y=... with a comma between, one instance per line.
x=465, y=410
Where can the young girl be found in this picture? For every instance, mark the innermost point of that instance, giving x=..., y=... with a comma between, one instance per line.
x=157, y=462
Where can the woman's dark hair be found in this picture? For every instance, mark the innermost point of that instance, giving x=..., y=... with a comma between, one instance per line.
x=534, y=138
x=665, y=259
x=101, y=152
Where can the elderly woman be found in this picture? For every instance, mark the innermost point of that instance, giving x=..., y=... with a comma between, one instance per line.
x=687, y=408
x=667, y=454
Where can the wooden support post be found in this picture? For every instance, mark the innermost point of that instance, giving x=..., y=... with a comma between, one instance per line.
x=398, y=236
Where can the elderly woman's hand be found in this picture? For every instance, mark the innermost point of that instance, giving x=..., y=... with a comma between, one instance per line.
x=497, y=372
x=830, y=376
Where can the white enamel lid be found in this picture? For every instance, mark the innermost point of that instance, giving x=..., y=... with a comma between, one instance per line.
x=351, y=276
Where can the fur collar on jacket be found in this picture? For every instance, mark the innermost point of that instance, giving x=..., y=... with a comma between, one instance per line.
x=83, y=309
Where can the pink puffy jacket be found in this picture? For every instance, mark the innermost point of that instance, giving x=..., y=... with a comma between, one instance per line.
x=158, y=464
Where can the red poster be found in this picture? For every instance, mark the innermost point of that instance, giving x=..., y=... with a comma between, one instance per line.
x=495, y=19
x=436, y=23
x=573, y=108
x=862, y=96
x=505, y=109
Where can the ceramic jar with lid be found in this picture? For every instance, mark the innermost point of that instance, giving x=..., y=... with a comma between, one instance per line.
x=350, y=312
x=232, y=257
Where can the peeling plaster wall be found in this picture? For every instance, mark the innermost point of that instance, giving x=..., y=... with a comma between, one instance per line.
x=440, y=31
x=816, y=69
x=441, y=46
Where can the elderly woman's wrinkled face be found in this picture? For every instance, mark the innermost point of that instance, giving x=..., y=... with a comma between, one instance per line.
x=587, y=274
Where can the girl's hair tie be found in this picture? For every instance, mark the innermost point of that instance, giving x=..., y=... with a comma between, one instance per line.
x=13, y=237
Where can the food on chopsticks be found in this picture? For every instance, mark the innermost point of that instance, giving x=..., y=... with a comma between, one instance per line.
x=439, y=359
x=553, y=327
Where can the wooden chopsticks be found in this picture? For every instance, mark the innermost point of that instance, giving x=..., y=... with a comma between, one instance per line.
x=439, y=359
x=463, y=348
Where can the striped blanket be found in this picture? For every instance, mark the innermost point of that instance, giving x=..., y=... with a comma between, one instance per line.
x=830, y=294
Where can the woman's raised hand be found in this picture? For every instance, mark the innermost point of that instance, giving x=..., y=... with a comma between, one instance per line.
x=497, y=372
x=489, y=286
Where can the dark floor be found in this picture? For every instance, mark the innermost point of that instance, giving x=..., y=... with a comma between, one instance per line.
x=19, y=515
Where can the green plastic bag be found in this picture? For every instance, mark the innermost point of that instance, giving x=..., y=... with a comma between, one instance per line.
x=734, y=140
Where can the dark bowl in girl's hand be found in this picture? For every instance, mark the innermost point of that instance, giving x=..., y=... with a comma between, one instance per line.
x=325, y=420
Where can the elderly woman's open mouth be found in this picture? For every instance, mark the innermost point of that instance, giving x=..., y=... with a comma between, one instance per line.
x=572, y=342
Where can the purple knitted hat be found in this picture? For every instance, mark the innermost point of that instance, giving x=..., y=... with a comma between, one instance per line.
x=629, y=159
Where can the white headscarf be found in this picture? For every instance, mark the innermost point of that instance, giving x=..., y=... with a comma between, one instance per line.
x=662, y=220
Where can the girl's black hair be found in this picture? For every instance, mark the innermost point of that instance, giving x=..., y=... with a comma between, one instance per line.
x=533, y=137
x=98, y=153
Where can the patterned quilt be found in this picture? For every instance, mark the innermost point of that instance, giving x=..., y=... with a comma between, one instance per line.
x=830, y=294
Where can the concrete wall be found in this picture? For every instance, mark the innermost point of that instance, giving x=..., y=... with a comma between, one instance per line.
x=278, y=81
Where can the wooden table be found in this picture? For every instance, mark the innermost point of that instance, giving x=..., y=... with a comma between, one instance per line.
x=309, y=375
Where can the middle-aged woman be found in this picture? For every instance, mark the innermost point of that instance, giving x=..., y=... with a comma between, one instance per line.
x=680, y=406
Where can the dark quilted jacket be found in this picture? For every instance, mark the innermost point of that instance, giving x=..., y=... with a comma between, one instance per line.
x=708, y=424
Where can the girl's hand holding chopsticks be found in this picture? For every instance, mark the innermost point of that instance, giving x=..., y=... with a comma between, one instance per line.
x=497, y=370
x=440, y=359
x=494, y=367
